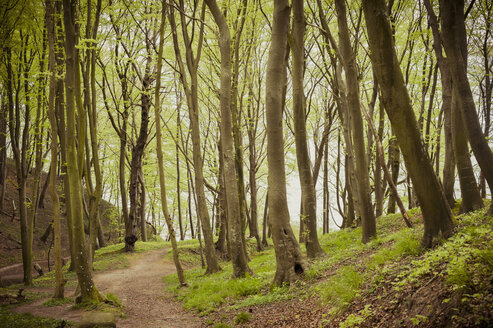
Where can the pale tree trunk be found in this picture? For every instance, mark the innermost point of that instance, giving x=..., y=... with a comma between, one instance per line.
x=289, y=259
x=191, y=92
x=308, y=196
x=438, y=219
x=369, y=228
x=235, y=231
x=86, y=284
x=50, y=27
x=159, y=150
x=454, y=39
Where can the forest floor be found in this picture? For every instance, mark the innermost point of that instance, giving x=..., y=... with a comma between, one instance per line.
x=389, y=282
x=139, y=287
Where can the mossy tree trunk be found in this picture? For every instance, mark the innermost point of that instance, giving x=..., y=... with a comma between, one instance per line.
x=88, y=290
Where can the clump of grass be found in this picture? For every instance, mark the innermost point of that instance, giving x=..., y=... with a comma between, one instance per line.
x=221, y=325
x=242, y=317
x=114, y=300
x=56, y=302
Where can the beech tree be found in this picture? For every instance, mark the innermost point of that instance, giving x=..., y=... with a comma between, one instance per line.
x=438, y=219
x=290, y=261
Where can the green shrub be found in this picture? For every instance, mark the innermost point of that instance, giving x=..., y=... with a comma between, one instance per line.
x=242, y=317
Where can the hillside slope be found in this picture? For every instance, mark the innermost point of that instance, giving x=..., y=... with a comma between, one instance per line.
x=389, y=282
x=10, y=240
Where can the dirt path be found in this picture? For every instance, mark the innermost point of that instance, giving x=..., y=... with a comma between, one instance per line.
x=141, y=289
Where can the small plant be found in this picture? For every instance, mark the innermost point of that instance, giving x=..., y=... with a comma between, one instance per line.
x=114, y=300
x=418, y=319
x=242, y=317
x=221, y=325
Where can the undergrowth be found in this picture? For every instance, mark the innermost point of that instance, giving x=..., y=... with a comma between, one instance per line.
x=9, y=319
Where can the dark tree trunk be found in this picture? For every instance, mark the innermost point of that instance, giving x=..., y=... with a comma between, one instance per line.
x=436, y=211
x=454, y=39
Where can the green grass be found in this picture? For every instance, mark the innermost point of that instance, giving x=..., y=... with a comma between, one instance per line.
x=57, y=302
x=9, y=319
x=206, y=293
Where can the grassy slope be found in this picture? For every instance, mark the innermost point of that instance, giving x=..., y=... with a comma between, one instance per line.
x=390, y=282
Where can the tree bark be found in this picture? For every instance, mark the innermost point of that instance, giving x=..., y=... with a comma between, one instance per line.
x=290, y=261
x=159, y=150
x=454, y=39
x=437, y=216
x=50, y=27
x=191, y=92
x=308, y=196
x=88, y=290
x=369, y=228
x=235, y=231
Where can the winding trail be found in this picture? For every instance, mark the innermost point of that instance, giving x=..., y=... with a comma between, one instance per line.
x=141, y=289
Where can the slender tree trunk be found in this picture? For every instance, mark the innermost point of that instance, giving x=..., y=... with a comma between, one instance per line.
x=87, y=287
x=454, y=39
x=471, y=198
x=132, y=224
x=369, y=228
x=437, y=216
x=50, y=27
x=235, y=231
x=19, y=152
x=446, y=80
x=394, y=159
x=308, y=196
x=379, y=166
x=3, y=148
x=159, y=150
x=142, y=205
x=191, y=91
x=290, y=261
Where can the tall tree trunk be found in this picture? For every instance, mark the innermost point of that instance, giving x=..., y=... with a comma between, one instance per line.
x=235, y=231
x=50, y=27
x=369, y=228
x=437, y=216
x=88, y=289
x=19, y=152
x=159, y=150
x=471, y=198
x=132, y=224
x=454, y=39
x=446, y=80
x=3, y=148
x=191, y=91
x=290, y=261
x=308, y=196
